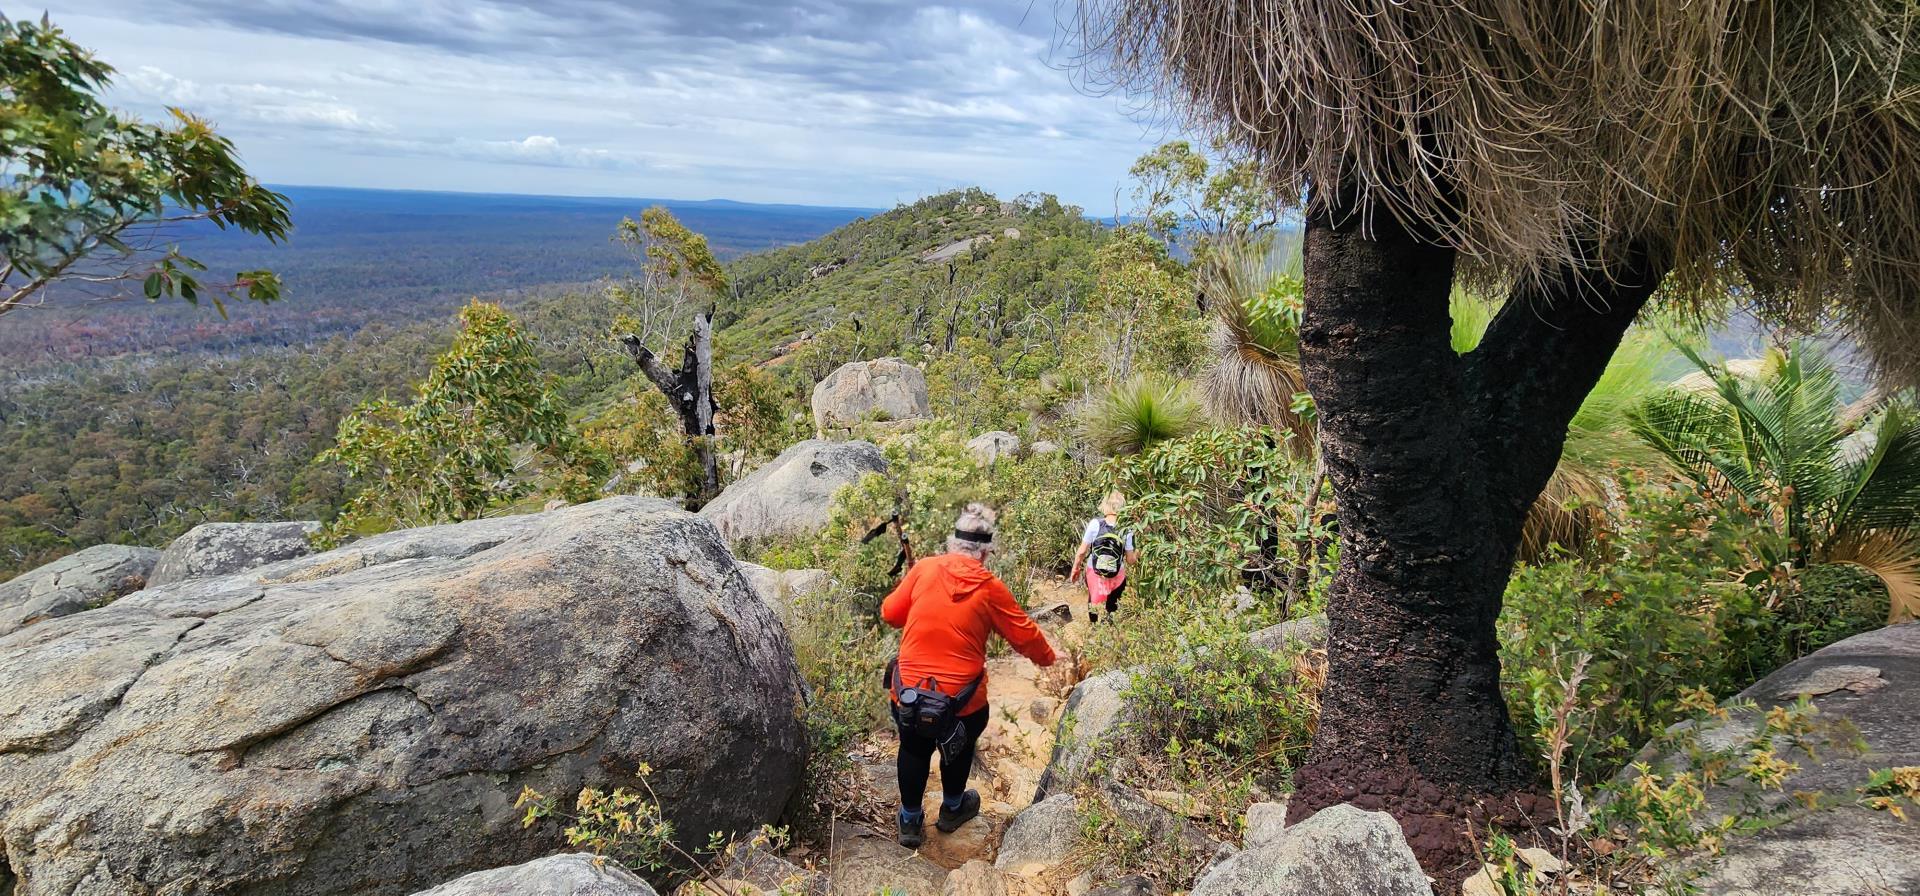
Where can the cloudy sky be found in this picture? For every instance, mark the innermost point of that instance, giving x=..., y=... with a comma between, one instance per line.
x=832, y=102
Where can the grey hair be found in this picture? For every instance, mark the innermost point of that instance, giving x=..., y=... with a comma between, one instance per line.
x=977, y=518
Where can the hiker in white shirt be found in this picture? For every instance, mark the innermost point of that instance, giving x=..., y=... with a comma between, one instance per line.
x=1105, y=555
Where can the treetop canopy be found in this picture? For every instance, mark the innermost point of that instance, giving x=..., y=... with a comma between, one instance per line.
x=1770, y=146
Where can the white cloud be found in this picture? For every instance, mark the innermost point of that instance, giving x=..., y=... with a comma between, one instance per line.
x=245, y=102
x=842, y=102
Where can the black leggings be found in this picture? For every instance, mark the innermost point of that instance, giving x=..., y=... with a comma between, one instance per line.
x=1113, y=603
x=916, y=760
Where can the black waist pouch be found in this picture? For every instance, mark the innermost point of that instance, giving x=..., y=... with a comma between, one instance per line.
x=927, y=711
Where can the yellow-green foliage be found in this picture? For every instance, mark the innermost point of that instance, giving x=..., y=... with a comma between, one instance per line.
x=1140, y=318
x=82, y=182
x=642, y=436
x=452, y=453
x=1220, y=509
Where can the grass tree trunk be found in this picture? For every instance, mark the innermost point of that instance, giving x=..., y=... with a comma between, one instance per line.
x=690, y=390
x=1433, y=459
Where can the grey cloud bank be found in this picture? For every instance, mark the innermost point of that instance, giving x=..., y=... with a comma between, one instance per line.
x=840, y=102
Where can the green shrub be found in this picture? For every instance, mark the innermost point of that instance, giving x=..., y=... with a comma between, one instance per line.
x=841, y=652
x=1221, y=717
x=1045, y=501
x=1220, y=509
x=1657, y=613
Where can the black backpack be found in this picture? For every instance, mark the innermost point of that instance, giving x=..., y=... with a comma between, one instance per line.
x=1109, y=554
x=929, y=712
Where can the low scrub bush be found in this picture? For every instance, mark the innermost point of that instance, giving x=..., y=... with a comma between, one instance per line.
x=1222, y=509
x=1223, y=721
x=1670, y=600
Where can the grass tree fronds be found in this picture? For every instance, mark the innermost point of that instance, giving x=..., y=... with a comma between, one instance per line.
x=1892, y=558
x=1472, y=314
x=1133, y=416
x=1566, y=515
x=1600, y=440
x=1599, y=437
x=1771, y=145
x=1254, y=290
x=1881, y=486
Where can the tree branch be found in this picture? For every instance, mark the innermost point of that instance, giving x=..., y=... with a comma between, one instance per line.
x=88, y=242
x=1541, y=356
x=667, y=380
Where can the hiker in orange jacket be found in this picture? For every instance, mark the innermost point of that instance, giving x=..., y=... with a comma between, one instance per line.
x=947, y=606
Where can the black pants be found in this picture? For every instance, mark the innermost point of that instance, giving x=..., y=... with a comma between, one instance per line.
x=916, y=760
x=1113, y=603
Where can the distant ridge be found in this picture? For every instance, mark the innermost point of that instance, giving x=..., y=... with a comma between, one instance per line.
x=347, y=194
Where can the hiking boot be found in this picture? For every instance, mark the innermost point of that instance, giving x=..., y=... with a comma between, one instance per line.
x=912, y=830
x=950, y=820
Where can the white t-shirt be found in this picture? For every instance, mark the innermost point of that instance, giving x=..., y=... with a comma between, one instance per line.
x=1093, y=533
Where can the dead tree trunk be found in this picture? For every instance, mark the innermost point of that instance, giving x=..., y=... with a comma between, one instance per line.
x=1434, y=458
x=690, y=390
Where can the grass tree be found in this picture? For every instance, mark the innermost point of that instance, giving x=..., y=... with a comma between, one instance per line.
x=1572, y=164
x=1130, y=417
x=1253, y=378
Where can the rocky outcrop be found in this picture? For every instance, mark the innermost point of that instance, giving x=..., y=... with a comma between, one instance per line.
x=1264, y=823
x=754, y=866
x=864, y=863
x=575, y=874
x=780, y=588
x=883, y=389
x=360, y=721
x=81, y=580
x=1339, y=849
x=1042, y=837
x=1095, y=711
x=218, y=549
x=793, y=494
x=989, y=448
x=1872, y=682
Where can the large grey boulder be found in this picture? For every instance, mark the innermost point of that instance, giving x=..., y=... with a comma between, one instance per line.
x=1044, y=836
x=1340, y=849
x=886, y=389
x=989, y=448
x=360, y=721
x=574, y=874
x=1872, y=681
x=1096, y=711
x=218, y=549
x=81, y=580
x=793, y=493
x=781, y=587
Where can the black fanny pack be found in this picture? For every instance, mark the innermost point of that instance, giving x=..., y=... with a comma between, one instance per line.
x=925, y=710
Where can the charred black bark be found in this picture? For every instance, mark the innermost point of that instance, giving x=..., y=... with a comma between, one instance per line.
x=1434, y=459
x=689, y=389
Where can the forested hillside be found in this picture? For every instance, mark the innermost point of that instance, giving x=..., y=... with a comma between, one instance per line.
x=138, y=449
x=363, y=256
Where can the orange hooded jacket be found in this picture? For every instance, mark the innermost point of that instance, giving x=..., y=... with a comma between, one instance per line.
x=947, y=605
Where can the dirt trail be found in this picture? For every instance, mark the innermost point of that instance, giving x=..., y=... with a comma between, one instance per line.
x=1027, y=702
